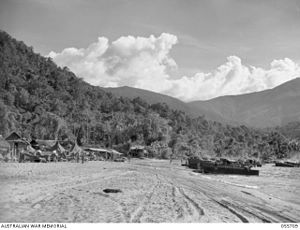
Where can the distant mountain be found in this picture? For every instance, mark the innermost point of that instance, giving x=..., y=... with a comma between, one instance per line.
x=269, y=108
x=273, y=107
x=150, y=97
x=173, y=103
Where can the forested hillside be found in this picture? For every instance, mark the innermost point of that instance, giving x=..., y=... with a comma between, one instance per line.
x=150, y=97
x=38, y=99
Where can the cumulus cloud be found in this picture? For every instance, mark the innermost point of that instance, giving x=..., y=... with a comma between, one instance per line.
x=135, y=61
x=234, y=78
x=145, y=62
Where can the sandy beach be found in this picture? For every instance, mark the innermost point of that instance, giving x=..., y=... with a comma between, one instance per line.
x=152, y=191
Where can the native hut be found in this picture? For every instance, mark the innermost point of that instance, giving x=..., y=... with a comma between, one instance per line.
x=17, y=144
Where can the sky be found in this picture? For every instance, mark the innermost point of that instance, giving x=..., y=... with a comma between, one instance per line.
x=188, y=49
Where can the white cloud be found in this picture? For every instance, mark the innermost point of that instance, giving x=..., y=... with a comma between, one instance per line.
x=145, y=63
x=139, y=62
x=234, y=78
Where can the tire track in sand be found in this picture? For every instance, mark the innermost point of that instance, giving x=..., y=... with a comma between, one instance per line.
x=194, y=206
x=177, y=207
x=226, y=206
x=236, y=210
x=138, y=213
x=190, y=205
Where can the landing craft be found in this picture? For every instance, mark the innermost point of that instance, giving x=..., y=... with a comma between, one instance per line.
x=221, y=166
x=290, y=164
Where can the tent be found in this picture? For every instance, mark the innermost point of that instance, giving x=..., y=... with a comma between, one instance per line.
x=105, y=153
x=97, y=149
x=76, y=152
x=30, y=149
x=100, y=152
x=115, y=154
x=75, y=149
x=56, y=147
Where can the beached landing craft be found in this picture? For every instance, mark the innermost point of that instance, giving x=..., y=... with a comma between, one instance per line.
x=290, y=164
x=221, y=166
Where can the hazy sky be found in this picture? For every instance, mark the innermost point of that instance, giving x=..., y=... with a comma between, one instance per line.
x=230, y=46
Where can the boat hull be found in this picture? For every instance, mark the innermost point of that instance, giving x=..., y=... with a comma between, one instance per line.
x=209, y=166
x=229, y=170
x=290, y=165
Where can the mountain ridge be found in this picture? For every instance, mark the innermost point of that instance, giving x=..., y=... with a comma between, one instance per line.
x=272, y=107
x=267, y=108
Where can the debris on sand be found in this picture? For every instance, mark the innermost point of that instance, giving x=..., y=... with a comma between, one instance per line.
x=109, y=190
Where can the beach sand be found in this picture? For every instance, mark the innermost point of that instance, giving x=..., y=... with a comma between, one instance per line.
x=152, y=191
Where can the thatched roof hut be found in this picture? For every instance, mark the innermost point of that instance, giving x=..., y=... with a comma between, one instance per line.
x=17, y=144
x=13, y=137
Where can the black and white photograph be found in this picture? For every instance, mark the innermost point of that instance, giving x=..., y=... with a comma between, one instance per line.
x=149, y=111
